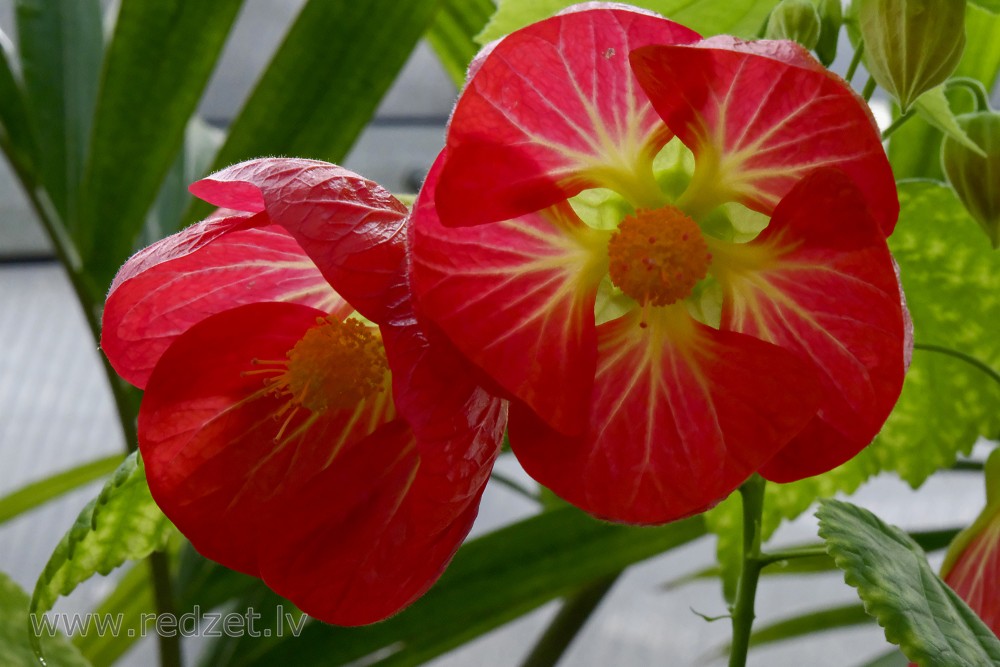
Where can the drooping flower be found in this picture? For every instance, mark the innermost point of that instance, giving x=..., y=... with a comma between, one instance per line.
x=670, y=254
x=273, y=433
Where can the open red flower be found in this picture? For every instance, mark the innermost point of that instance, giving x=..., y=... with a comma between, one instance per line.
x=670, y=254
x=273, y=433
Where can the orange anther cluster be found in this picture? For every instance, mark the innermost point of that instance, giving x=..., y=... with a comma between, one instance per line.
x=335, y=365
x=658, y=256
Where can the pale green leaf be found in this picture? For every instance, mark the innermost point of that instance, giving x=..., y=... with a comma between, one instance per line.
x=934, y=108
x=61, y=46
x=918, y=611
x=15, y=644
x=743, y=18
x=493, y=579
x=44, y=490
x=452, y=34
x=122, y=523
x=158, y=63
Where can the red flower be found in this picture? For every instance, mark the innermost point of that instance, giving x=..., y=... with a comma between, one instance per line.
x=591, y=238
x=272, y=432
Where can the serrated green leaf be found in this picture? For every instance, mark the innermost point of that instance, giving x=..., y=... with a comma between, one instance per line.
x=61, y=46
x=158, y=63
x=122, y=523
x=743, y=18
x=918, y=611
x=37, y=493
x=325, y=81
x=15, y=645
x=452, y=34
x=131, y=598
x=915, y=148
x=934, y=108
x=493, y=579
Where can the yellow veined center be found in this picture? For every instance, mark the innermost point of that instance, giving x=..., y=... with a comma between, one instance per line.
x=658, y=256
x=336, y=365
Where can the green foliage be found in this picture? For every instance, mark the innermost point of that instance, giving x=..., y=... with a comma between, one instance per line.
x=493, y=579
x=122, y=523
x=933, y=107
x=974, y=174
x=743, y=18
x=452, y=34
x=157, y=65
x=37, y=493
x=797, y=20
x=992, y=6
x=919, y=612
x=15, y=645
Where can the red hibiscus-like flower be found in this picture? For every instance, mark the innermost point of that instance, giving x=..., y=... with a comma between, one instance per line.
x=972, y=565
x=273, y=433
x=670, y=254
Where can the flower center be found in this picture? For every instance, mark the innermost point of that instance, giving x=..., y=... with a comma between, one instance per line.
x=335, y=365
x=658, y=256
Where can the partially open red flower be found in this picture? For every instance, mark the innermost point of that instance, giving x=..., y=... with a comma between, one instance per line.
x=273, y=433
x=670, y=254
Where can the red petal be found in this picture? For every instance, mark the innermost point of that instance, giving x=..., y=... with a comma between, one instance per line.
x=351, y=227
x=350, y=517
x=517, y=298
x=760, y=115
x=550, y=110
x=820, y=282
x=200, y=271
x=681, y=415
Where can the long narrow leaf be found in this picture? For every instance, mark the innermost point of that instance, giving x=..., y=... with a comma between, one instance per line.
x=322, y=87
x=453, y=31
x=159, y=61
x=131, y=598
x=493, y=579
x=37, y=493
x=61, y=46
x=16, y=137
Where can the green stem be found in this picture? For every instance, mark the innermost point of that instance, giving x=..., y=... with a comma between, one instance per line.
x=573, y=615
x=869, y=88
x=969, y=359
x=975, y=88
x=896, y=124
x=170, y=646
x=855, y=61
x=752, y=493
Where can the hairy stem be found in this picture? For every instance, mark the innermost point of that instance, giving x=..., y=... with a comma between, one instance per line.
x=752, y=493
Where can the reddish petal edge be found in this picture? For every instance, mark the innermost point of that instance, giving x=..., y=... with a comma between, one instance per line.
x=351, y=227
x=349, y=532
x=681, y=415
x=207, y=268
x=552, y=109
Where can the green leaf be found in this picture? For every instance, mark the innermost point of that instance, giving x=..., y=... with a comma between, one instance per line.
x=743, y=18
x=122, y=523
x=324, y=83
x=15, y=646
x=452, y=34
x=915, y=148
x=158, y=62
x=918, y=611
x=16, y=137
x=44, y=490
x=992, y=6
x=809, y=623
x=61, y=46
x=493, y=579
x=132, y=597
x=934, y=108
x=890, y=659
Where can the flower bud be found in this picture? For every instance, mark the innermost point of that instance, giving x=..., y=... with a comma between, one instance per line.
x=911, y=45
x=831, y=17
x=797, y=20
x=975, y=177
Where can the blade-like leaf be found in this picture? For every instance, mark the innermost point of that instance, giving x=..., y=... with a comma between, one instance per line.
x=15, y=647
x=809, y=623
x=919, y=612
x=61, y=46
x=131, y=598
x=36, y=493
x=323, y=84
x=890, y=659
x=493, y=579
x=122, y=523
x=157, y=65
x=16, y=137
x=743, y=18
x=453, y=31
